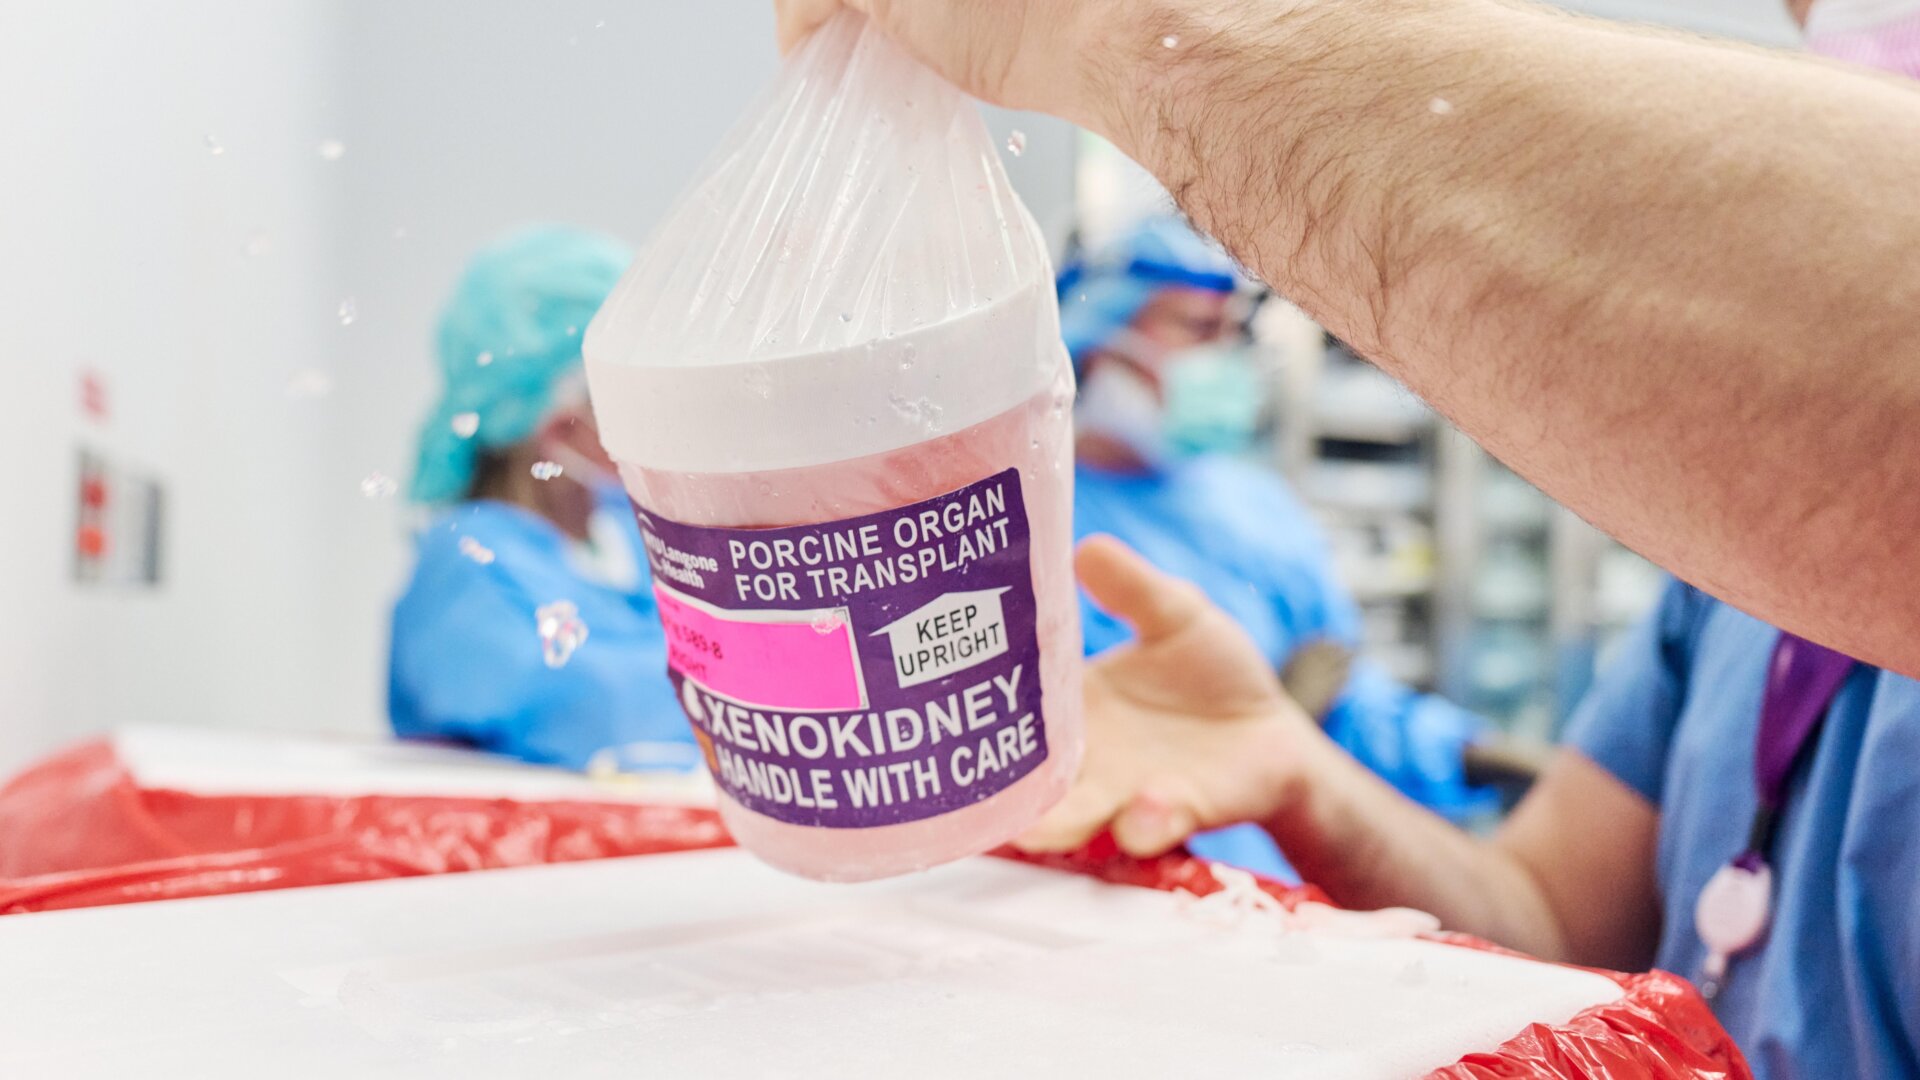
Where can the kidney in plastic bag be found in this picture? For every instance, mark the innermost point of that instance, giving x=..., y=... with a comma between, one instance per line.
x=834, y=385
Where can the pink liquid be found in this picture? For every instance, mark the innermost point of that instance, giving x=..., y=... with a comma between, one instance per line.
x=1034, y=437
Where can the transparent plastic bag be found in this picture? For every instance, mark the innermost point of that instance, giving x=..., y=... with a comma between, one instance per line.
x=835, y=387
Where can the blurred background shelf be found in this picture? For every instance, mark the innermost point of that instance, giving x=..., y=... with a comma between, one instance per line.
x=1471, y=582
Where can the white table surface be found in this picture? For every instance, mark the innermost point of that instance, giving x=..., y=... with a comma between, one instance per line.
x=710, y=964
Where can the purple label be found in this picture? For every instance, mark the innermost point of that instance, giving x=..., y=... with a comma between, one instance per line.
x=870, y=671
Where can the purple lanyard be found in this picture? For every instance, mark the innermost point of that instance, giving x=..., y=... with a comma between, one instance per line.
x=1802, y=681
x=1733, y=910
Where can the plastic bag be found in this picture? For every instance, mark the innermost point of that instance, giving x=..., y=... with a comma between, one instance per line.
x=79, y=830
x=835, y=387
x=1659, y=1029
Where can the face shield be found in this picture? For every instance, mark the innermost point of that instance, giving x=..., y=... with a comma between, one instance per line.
x=1880, y=34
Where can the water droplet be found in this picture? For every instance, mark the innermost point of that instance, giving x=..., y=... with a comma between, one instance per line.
x=258, y=244
x=846, y=316
x=826, y=622
x=378, y=485
x=1439, y=106
x=465, y=424
x=331, y=149
x=572, y=331
x=1033, y=444
x=214, y=147
x=759, y=381
x=475, y=550
x=1171, y=41
x=1017, y=143
x=600, y=24
x=546, y=470
x=349, y=311
x=907, y=354
x=562, y=631
x=483, y=359
x=309, y=383
x=917, y=410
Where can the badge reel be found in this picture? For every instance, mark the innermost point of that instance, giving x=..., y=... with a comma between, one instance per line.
x=1731, y=916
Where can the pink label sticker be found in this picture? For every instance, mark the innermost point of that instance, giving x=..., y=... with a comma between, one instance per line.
x=774, y=659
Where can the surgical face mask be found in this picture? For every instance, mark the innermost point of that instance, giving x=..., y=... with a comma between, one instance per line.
x=1214, y=398
x=1882, y=34
x=1210, y=401
x=1119, y=403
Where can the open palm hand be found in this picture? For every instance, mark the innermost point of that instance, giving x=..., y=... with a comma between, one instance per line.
x=1187, y=726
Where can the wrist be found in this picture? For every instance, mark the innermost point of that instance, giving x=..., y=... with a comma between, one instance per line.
x=1309, y=774
x=1172, y=83
x=1118, y=64
x=1121, y=59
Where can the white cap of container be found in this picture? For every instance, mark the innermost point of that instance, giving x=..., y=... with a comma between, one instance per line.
x=836, y=405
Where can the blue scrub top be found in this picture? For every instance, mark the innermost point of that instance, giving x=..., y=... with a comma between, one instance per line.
x=467, y=663
x=1236, y=531
x=1834, y=989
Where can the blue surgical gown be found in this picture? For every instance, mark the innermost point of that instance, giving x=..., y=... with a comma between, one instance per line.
x=1834, y=988
x=467, y=662
x=1236, y=531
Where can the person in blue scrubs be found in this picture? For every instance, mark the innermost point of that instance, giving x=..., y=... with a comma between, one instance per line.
x=1675, y=775
x=528, y=515
x=1605, y=860
x=1168, y=412
x=1834, y=989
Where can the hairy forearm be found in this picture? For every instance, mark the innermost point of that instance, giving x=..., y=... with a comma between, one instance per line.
x=1368, y=846
x=1675, y=284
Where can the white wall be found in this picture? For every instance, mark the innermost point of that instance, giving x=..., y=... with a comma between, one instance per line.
x=121, y=250
x=1762, y=21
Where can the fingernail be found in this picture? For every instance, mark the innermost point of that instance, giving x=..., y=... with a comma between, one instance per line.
x=1153, y=826
x=1148, y=815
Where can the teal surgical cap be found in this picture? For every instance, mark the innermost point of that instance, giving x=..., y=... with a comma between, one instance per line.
x=1099, y=297
x=508, y=336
